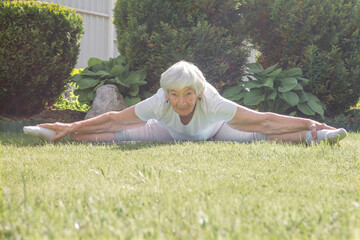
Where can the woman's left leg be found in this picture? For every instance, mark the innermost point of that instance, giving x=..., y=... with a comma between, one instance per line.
x=295, y=137
x=227, y=133
x=329, y=136
x=93, y=137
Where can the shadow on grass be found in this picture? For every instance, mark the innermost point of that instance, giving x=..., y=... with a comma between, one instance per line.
x=19, y=139
x=22, y=140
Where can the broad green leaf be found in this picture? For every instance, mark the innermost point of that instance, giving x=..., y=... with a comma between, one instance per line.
x=272, y=95
x=134, y=90
x=103, y=74
x=303, y=79
x=315, y=107
x=283, y=107
x=132, y=100
x=269, y=82
x=82, y=95
x=117, y=70
x=291, y=98
x=133, y=77
x=293, y=114
x=298, y=87
x=304, y=108
x=254, y=97
x=141, y=83
x=303, y=97
x=76, y=78
x=142, y=75
x=287, y=84
x=93, y=61
x=121, y=60
x=313, y=97
x=270, y=69
x=90, y=96
x=88, y=73
x=255, y=67
x=232, y=93
x=98, y=67
x=147, y=94
x=275, y=73
x=87, y=83
x=110, y=81
x=292, y=72
x=121, y=82
x=102, y=83
x=83, y=99
x=253, y=84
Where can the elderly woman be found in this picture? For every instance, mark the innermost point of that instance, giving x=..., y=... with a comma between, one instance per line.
x=188, y=108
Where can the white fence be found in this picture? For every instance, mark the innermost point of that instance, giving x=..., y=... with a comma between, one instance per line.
x=99, y=39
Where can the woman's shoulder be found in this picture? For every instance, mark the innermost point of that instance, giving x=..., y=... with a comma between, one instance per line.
x=211, y=94
x=152, y=107
x=213, y=103
x=158, y=98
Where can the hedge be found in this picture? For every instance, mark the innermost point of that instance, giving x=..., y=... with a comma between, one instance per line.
x=39, y=46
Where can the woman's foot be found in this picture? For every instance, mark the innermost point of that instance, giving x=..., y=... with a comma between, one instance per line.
x=329, y=136
x=43, y=133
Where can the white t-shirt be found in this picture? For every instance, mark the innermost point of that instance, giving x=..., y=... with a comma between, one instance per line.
x=210, y=113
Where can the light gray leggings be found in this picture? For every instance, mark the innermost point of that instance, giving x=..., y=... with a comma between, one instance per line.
x=153, y=131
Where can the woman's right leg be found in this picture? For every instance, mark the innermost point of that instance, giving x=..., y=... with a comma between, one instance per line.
x=151, y=131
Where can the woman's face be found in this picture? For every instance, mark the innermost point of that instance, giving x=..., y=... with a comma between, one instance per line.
x=183, y=101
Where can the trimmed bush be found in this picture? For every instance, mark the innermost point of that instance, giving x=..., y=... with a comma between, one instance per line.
x=320, y=36
x=39, y=46
x=154, y=34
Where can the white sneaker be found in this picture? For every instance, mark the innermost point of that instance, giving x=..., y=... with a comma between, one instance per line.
x=43, y=133
x=335, y=136
x=329, y=136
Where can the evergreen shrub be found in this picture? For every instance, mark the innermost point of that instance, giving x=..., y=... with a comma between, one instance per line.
x=39, y=46
x=320, y=36
x=154, y=34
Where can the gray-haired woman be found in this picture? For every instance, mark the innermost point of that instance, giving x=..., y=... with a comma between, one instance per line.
x=188, y=108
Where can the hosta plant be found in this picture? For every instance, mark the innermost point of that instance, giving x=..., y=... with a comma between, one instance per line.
x=114, y=71
x=275, y=90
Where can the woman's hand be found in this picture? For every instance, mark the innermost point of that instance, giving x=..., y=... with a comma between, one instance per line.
x=316, y=126
x=62, y=129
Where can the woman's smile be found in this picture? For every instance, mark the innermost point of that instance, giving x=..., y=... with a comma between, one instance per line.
x=183, y=101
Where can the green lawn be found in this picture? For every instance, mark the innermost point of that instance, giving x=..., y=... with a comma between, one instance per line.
x=204, y=190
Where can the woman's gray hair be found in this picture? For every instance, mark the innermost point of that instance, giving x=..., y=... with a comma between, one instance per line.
x=181, y=75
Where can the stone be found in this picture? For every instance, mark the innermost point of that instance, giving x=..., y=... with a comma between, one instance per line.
x=107, y=98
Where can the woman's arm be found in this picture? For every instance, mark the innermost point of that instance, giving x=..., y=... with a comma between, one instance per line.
x=271, y=123
x=107, y=122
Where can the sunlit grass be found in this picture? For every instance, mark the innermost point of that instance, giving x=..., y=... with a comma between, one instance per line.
x=205, y=190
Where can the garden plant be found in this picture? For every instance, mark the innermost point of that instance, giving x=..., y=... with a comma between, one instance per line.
x=275, y=90
x=113, y=71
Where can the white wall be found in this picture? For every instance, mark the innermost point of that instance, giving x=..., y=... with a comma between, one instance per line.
x=99, y=39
